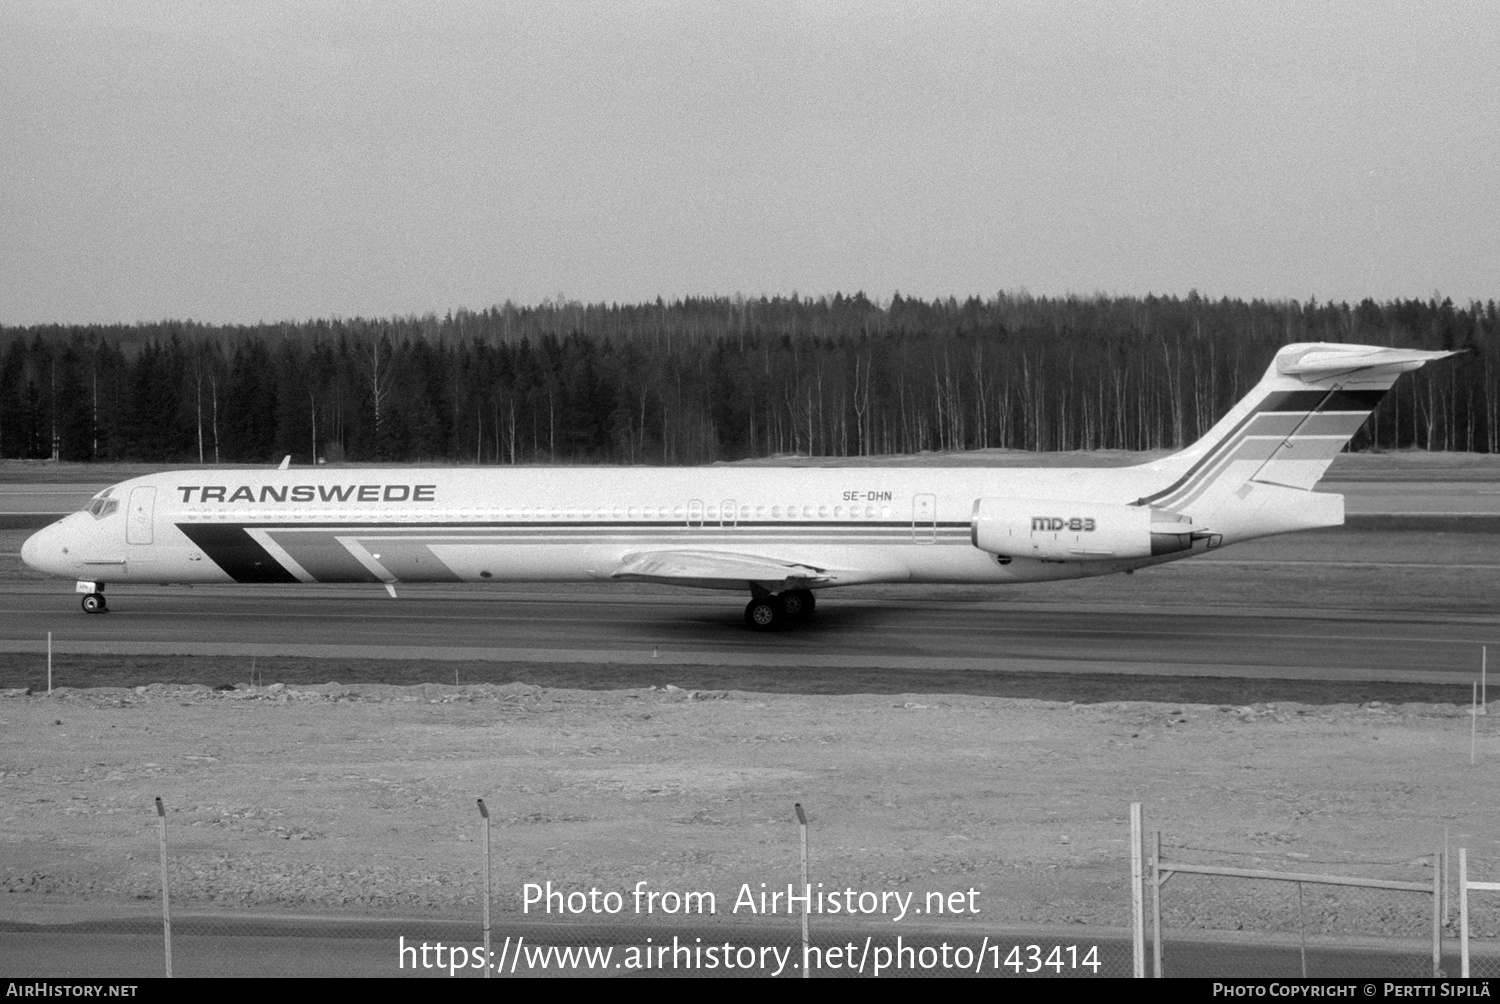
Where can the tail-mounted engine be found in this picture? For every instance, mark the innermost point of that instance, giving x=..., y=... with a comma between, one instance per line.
x=1074, y=531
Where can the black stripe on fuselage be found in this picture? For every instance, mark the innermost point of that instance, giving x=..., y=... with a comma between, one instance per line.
x=230, y=546
x=236, y=552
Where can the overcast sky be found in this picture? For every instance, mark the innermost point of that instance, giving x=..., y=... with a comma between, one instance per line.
x=267, y=161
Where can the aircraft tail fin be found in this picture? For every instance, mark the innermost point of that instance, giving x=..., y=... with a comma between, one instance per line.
x=1278, y=441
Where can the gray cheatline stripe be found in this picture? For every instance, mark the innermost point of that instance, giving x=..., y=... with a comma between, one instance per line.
x=741, y=660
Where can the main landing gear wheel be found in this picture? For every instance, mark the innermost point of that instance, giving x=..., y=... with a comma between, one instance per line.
x=764, y=614
x=797, y=604
x=93, y=603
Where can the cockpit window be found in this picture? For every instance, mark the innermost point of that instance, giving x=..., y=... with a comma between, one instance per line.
x=103, y=505
x=101, y=508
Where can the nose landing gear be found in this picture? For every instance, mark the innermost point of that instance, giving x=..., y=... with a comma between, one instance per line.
x=93, y=600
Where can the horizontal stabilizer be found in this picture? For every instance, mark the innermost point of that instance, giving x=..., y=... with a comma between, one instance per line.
x=1325, y=361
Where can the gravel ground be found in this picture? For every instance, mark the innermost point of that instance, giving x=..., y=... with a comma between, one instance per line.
x=361, y=800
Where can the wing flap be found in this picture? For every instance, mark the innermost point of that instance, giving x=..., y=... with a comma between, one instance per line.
x=719, y=570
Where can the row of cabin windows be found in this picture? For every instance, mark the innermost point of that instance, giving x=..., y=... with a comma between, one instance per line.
x=707, y=514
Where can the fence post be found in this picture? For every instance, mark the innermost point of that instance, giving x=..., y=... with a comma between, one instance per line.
x=1137, y=896
x=1302, y=929
x=1473, y=722
x=166, y=907
x=1156, y=907
x=1437, y=914
x=806, y=889
x=1463, y=912
x=484, y=815
x=49, y=663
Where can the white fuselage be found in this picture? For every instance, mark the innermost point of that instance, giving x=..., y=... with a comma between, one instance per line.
x=779, y=532
x=880, y=524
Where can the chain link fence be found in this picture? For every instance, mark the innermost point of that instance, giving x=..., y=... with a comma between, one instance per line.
x=1208, y=912
x=1326, y=918
x=1479, y=917
x=395, y=917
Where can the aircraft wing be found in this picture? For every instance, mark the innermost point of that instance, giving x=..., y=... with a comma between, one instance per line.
x=719, y=570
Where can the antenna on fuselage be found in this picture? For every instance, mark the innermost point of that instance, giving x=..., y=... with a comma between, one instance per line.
x=285, y=462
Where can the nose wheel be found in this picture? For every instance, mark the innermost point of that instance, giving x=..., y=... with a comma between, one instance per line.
x=93, y=603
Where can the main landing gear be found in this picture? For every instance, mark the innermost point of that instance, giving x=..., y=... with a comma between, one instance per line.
x=767, y=611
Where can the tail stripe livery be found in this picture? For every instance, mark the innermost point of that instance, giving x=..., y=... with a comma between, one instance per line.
x=1282, y=435
x=1303, y=417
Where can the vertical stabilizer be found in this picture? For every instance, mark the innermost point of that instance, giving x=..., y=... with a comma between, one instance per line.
x=1260, y=462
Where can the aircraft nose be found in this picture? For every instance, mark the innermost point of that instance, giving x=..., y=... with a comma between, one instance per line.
x=30, y=549
x=42, y=551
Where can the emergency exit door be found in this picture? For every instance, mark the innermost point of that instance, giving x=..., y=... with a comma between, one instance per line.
x=924, y=519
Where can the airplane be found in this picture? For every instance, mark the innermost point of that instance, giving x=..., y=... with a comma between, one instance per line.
x=779, y=533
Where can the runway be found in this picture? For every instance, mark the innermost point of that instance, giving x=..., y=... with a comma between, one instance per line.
x=1403, y=594
x=623, y=627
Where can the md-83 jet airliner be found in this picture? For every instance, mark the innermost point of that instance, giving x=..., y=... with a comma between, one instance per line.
x=779, y=533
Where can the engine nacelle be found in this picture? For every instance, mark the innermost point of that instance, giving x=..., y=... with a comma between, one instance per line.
x=1077, y=531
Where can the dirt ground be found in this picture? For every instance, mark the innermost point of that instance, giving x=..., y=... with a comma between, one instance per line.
x=331, y=799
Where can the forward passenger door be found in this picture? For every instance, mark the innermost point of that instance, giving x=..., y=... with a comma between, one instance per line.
x=140, y=511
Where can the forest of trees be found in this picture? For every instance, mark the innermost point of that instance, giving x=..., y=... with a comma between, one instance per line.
x=707, y=379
